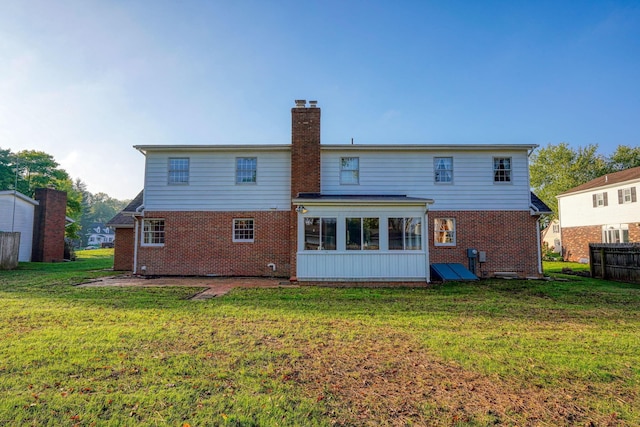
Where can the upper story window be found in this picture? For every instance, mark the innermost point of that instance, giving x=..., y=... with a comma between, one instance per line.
x=363, y=234
x=405, y=234
x=349, y=170
x=502, y=169
x=444, y=232
x=243, y=230
x=600, y=200
x=443, y=168
x=178, y=170
x=556, y=228
x=627, y=195
x=246, y=170
x=153, y=232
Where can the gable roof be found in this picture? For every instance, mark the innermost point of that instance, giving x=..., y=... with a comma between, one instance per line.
x=606, y=180
x=19, y=195
x=124, y=218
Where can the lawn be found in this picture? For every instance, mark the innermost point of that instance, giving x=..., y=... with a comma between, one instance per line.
x=505, y=352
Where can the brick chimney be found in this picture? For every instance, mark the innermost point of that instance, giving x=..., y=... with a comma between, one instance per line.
x=305, y=148
x=49, y=220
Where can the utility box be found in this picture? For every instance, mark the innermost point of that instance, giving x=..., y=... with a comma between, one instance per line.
x=482, y=256
x=472, y=253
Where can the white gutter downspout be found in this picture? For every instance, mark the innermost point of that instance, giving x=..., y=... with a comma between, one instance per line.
x=539, y=248
x=426, y=244
x=135, y=238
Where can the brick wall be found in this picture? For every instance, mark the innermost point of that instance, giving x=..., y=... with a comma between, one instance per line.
x=508, y=238
x=201, y=243
x=49, y=225
x=575, y=240
x=305, y=163
x=123, y=249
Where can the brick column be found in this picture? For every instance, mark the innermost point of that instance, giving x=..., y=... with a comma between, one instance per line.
x=49, y=220
x=305, y=162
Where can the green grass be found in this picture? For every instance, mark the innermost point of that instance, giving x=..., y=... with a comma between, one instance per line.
x=495, y=352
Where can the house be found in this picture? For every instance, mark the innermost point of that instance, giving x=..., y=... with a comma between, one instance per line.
x=603, y=210
x=41, y=222
x=99, y=233
x=316, y=212
x=551, y=236
x=16, y=214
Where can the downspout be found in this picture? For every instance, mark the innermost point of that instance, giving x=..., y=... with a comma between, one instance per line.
x=135, y=238
x=426, y=243
x=539, y=247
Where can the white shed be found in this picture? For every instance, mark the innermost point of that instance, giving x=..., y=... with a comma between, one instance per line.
x=16, y=215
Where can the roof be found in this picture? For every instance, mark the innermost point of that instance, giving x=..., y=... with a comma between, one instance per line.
x=391, y=199
x=539, y=206
x=356, y=147
x=607, y=180
x=19, y=195
x=124, y=218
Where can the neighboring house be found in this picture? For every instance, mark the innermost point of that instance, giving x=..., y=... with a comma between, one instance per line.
x=604, y=210
x=16, y=214
x=315, y=212
x=99, y=233
x=551, y=236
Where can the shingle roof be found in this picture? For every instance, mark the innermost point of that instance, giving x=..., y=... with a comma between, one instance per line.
x=539, y=205
x=609, y=179
x=124, y=219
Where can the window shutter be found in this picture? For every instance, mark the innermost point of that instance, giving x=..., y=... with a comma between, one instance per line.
x=604, y=195
x=620, y=201
x=595, y=201
x=633, y=194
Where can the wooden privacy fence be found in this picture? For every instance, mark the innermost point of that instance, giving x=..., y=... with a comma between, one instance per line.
x=615, y=261
x=9, y=250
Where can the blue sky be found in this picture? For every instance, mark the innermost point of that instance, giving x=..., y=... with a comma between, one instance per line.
x=86, y=80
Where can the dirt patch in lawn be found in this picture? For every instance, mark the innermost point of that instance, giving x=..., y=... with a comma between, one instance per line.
x=389, y=380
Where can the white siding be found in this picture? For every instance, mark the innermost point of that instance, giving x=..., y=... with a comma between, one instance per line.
x=212, y=185
x=411, y=173
x=22, y=222
x=577, y=209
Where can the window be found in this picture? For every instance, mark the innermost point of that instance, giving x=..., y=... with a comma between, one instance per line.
x=153, y=232
x=320, y=234
x=178, y=170
x=349, y=170
x=443, y=167
x=616, y=233
x=405, y=234
x=363, y=234
x=556, y=228
x=243, y=230
x=627, y=195
x=502, y=169
x=246, y=170
x=600, y=200
x=444, y=232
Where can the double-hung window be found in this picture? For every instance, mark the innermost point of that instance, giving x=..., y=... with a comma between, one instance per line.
x=627, y=195
x=243, y=230
x=502, y=169
x=320, y=234
x=363, y=234
x=349, y=170
x=246, y=170
x=443, y=168
x=600, y=200
x=405, y=234
x=178, y=170
x=153, y=232
x=444, y=232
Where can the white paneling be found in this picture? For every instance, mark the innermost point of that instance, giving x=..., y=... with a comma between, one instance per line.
x=368, y=265
x=411, y=173
x=21, y=222
x=212, y=185
x=577, y=209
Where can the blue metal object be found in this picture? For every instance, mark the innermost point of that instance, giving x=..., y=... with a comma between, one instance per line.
x=451, y=271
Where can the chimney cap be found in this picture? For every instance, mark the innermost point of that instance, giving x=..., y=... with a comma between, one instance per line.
x=313, y=104
x=301, y=103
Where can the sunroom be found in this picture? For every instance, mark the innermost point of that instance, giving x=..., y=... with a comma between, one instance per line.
x=362, y=238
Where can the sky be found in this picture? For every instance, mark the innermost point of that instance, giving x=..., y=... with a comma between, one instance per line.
x=86, y=80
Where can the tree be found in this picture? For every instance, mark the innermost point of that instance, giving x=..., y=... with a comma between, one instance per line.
x=624, y=157
x=7, y=170
x=98, y=208
x=555, y=169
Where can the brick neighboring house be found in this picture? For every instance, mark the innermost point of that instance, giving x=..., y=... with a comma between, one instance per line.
x=604, y=210
x=315, y=212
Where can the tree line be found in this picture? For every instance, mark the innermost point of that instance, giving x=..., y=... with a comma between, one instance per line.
x=557, y=168
x=27, y=170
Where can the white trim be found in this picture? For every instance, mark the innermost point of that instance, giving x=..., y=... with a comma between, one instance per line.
x=233, y=230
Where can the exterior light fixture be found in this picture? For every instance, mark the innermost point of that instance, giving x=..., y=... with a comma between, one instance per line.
x=301, y=209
